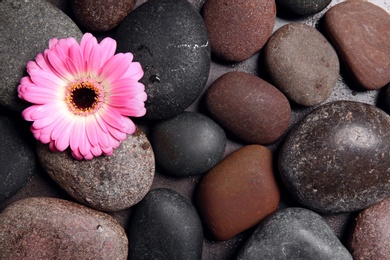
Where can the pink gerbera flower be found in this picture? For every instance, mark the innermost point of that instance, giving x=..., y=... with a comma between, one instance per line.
x=83, y=95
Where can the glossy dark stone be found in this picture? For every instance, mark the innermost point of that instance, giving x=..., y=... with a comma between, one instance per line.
x=294, y=233
x=169, y=39
x=188, y=144
x=17, y=159
x=165, y=225
x=303, y=7
x=337, y=159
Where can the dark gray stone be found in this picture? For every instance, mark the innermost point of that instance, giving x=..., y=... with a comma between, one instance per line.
x=337, y=159
x=188, y=144
x=303, y=7
x=294, y=233
x=108, y=183
x=17, y=159
x=26, y=28
x=169, y=39
x=387, y=99
x=165, y=225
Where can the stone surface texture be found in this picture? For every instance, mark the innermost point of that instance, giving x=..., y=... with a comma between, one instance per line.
x=303, y=7
x=302, y=63
x=294, y=233
x=249, y=107
x=48, y=228
x=165, y=225
x=337, y=159
x=174, y=53
x=101, y=15
x=109, y=183
x=238, y=192
x=23, y=37
x=360, y=33
x=238, y=29
x=371, y=235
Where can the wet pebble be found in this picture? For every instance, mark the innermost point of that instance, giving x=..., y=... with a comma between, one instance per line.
x=303, y=7
x=18, y=44
x=337, y=159
x=188, y=144
x=108, y=183
x=238, y=192
x=17, y=158
x=101, y=15
x=249, y=107
x=49, y=228
x=371, y=236
x=169, y=39
x=165, y=225
x=360, y=32
x=302, y=63
x=294, y=233
x=238, y=29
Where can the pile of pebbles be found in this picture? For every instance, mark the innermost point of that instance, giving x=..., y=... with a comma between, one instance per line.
x=267, y=134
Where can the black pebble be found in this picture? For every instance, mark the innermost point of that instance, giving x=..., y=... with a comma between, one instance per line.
x=303, y=7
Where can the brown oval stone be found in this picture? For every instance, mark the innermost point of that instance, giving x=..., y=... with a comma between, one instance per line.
x=101, y=15
x=360, y=33
x=108, y=183
x=302, y=63
x=371, y=236
x=238, y=29
x=49, y=228
x=238, y=192
x=249, y=107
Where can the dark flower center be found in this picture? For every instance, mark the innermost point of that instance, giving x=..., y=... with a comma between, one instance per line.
x=84, y=97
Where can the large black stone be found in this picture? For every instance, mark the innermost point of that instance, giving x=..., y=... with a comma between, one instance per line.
x=169, y=39
x=303, y=7
x=165, y=225
x=294, y=233
x=17, y=159
x=337, y=159
x=188, y=144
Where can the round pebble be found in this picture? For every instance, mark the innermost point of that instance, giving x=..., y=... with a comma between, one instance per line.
x=108, y=183
x=371, y=236
x=294, y=233
x=302, y=63
x=165, y=225
x=48, y=228
x=387, y=99
x=17, y=158
x=337, y=159
x=101, y=15
x=238, y=192
x=238, y=29
x=188, y=144
x=19, y=45
x=169, y=39
x=303, y=7
x=249, y=107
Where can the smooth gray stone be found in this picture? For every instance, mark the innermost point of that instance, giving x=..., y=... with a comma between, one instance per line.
x=26, y=28
x=294, y=233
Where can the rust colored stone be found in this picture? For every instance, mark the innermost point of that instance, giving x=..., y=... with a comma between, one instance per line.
x=249, y=107
x=360, y=33
x=238, y=192
x=238, y=29
x=371, y=236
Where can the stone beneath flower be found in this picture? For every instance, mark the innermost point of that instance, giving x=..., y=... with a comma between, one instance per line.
x=83, y=96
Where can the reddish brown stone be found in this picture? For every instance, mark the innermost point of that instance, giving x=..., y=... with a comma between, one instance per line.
x=249, y=107
x=238, y=29
x=360, y=32
x=371, y=236
x=101, y=15
x=238, y=192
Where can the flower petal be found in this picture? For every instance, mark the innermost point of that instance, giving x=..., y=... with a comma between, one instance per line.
x=134, y=71
x=116, y=67
x=108, y=47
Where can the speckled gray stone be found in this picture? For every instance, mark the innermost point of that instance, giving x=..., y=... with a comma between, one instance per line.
x=303, y=7
x=294, y=233
x=302, y=63
x=107, y=183
x=337, y=159
x=26, y=28
x=49, y=228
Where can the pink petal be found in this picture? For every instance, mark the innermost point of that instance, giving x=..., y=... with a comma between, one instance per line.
x=92, y=130
x=117, y=134
x=87, y=44
x=59, y=65
x=108, y=47
x=53, y=42
x=35, y=112
x=96, y=150
x=94, y=61
x=76, y=154
x=116, y=67
x=108, y=151
x=46, y=79
x=76, y=56
x=112, y=118
x=134, y=71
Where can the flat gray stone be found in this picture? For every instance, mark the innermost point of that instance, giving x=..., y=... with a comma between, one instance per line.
x=26, y=28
